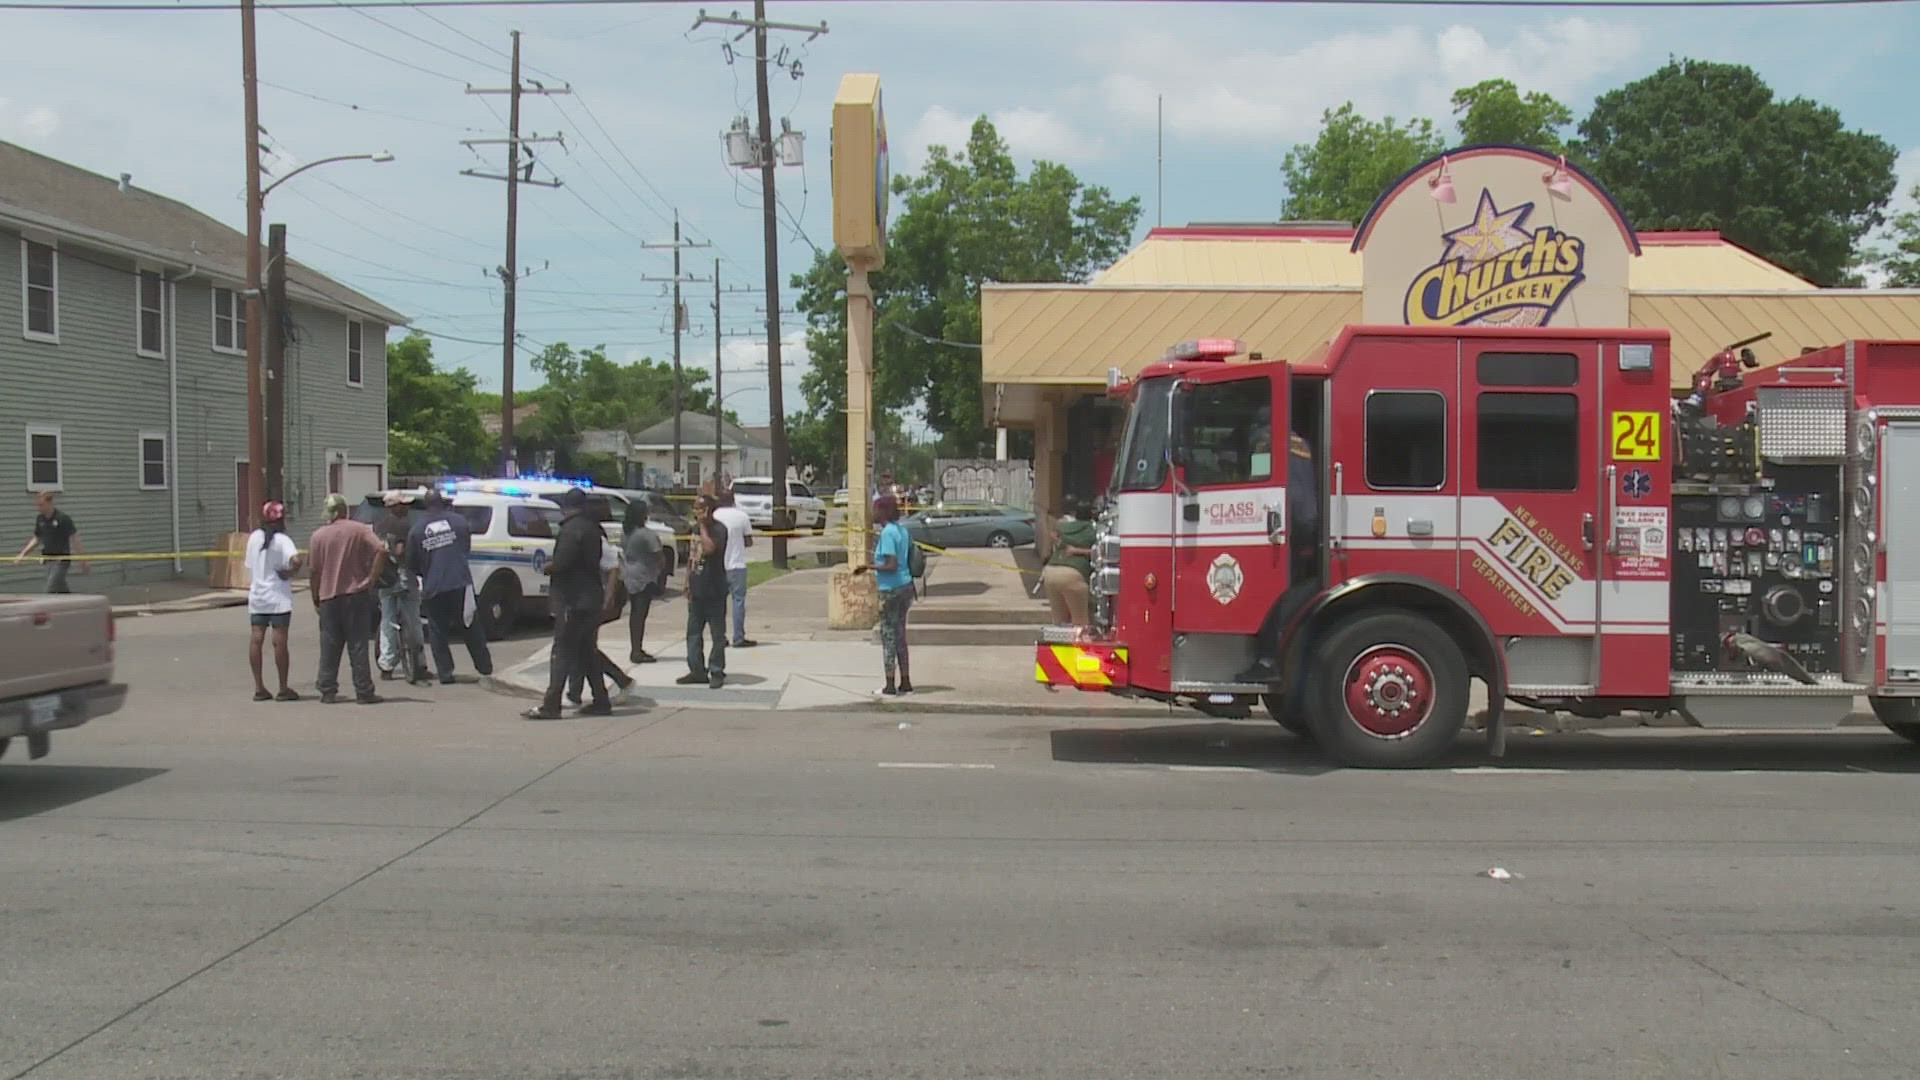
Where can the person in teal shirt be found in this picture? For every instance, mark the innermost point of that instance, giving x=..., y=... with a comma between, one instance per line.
x=895, y=582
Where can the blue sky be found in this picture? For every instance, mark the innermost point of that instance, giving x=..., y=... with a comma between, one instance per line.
x=157, y=95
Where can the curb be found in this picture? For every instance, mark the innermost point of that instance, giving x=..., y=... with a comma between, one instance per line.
x=179, y=607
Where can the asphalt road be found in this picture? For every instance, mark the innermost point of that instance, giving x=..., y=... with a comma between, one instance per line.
x=203, y=888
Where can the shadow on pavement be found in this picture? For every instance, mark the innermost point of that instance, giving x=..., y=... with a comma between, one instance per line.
x=956, y=588
x=26, y=790
x=1247, y=746
x=1257, y=745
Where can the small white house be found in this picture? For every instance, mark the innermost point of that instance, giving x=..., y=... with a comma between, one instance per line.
x=738, y=454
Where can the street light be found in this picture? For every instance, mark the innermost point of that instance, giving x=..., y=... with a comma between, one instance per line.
x=262, y=481
x=379, y=156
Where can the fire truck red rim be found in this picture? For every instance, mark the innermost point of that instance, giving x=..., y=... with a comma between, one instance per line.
x=1389, y=691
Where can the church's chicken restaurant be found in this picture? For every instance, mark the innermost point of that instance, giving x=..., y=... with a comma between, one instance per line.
x=1491, y=236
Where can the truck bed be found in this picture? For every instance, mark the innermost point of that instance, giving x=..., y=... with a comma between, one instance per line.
x=56, y=665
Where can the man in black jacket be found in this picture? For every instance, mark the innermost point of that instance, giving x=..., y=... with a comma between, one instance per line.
x=577, y=594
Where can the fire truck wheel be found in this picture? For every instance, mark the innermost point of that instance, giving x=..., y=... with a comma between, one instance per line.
x=1900, y=715
x=1391, y=692
x=1286, y=712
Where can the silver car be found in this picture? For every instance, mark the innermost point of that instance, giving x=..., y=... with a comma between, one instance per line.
x=960, y=525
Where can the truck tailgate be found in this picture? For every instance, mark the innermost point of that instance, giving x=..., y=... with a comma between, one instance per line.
x=52, y=643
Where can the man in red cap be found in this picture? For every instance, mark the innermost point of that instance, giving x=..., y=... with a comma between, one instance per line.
x=272, y=561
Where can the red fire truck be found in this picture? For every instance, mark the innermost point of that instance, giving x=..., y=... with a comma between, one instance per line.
x=1526, y=507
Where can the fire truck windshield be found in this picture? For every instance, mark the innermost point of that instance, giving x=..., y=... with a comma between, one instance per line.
x=1143, y=455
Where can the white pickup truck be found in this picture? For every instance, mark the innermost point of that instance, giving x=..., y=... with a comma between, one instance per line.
x=56, y=667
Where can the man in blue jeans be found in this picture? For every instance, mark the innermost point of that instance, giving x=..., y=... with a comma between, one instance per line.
x=739, y=538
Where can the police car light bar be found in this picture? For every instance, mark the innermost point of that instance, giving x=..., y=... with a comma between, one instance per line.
x=1206, y=349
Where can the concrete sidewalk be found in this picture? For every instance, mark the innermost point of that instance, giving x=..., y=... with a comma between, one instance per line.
x=800, y=664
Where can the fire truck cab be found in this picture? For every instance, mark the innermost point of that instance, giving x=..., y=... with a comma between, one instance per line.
x=1530, y=508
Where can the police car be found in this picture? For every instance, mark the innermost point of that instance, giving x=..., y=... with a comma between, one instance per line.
x=608, y=505
x=513, y=536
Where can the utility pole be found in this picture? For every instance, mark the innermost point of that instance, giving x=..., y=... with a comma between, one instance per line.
x=256, y=420
x=276, y=341
x=763, y=149
x=718, y=454
x=509, y=277
x=679, y=324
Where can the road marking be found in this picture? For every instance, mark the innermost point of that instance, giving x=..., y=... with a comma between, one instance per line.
x=1495, y=770
x=1211, y=768
x=934, y=765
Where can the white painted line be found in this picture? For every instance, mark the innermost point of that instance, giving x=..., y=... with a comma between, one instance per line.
x=934, y=765
x=1211, y=768
x=1495, y=770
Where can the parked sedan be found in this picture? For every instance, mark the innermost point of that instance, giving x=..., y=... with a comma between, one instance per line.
x=971, y=525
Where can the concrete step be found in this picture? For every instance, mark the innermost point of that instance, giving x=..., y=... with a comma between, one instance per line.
x=970, y=635
x=933, y=613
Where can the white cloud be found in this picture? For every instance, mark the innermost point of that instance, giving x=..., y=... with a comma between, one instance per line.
x=36, y=122
x=1403, y=71
x=1033, y=134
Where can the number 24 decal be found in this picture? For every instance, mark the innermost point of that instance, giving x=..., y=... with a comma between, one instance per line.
x=1636, y=436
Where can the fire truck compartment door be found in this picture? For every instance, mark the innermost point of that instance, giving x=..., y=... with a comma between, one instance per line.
x=1900, y=596
x=1531, y=467
x=1230, y=532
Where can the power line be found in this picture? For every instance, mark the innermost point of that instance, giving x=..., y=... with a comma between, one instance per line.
x=429, y=43
x=403, y=217
x=384, y=236
x=373, y=52
x=363, y=108
x=321, y=5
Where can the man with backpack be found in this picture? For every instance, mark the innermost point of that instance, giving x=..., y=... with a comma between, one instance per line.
x=893, y=558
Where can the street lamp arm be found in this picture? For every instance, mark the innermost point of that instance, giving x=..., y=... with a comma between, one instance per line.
x=380, y=156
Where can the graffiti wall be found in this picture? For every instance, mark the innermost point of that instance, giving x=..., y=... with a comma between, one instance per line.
x=1007, y=483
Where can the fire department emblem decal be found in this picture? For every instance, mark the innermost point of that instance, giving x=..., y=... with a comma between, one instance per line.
x=1224, y=578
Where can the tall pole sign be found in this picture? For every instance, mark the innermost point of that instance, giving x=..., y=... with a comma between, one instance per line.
x=860, y=183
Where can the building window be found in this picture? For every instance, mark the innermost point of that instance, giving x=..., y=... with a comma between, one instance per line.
x=153, y=461
x=40, y=287
x=356, y=358
x=44, y=468
x=1406, y=440
x=1529, y=442
x=229, y=322
x=1230, y=433
x=1528, y=369
x=149, y=318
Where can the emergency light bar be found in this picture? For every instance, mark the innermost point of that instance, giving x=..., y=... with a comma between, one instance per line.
x=1208, y=349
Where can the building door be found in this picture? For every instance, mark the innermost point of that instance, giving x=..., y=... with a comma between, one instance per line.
x=243, y=507
x=363, y=480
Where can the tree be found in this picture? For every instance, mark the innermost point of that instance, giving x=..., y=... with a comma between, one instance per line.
x=1353, y=160
x=433, y=424
x=1902, y=263
x=583, y=390
x=1701, y=145
x=966, y=219
x=1495, y=111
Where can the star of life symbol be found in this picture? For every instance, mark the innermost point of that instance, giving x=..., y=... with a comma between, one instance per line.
x=1636, y=483
x=1224, y=578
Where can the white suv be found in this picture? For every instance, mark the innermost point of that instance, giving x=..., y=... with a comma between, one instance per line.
x=513, y=538
x=754, y=494
x=609, y=505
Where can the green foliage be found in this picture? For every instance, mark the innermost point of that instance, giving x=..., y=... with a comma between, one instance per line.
x=603, y=469
x=967, y=218
x=433, y=425
x=1701, y=145
x=1351, y=162
x=1495, y=111
x=585, y=391
x=1902, y=263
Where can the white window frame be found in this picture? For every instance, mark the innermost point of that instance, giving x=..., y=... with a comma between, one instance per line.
x=355, y=327
x=239, y=346
x=139, y=311
x=166, y=460
x=26, y=290
x=59, y=457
